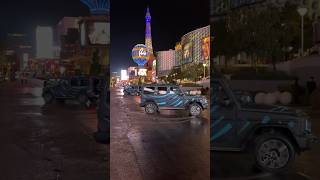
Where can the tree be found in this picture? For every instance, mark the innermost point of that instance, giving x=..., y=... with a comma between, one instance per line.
x=266, y=33
x=193, y=72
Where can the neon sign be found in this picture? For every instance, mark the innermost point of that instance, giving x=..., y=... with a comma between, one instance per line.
x=140, y=54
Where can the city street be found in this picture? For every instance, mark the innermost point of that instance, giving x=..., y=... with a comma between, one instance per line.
x=169, y=145
x=238, y=166
x=47, y=141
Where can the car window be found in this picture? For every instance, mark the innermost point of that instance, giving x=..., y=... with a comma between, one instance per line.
x=149, y=90
x=162, y=90
x=175, y=90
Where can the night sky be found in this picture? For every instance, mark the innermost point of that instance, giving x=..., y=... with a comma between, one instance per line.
x=23, y=16
x=171, y=19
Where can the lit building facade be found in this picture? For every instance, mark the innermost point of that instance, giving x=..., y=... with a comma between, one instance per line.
x=166, y=62
x=195, y=47
x=178, y=54
x=44, y=38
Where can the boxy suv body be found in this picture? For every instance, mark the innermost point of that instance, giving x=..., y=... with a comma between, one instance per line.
x=170, y=97
x=274, y=134
x=75, y=88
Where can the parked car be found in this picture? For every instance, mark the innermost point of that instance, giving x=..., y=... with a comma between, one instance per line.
x=132, y=90
x=156, y=97
x=74, y=88
x=273, y=134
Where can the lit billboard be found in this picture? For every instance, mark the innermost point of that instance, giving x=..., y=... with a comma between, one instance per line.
x=187, y=53
x=142, y=72
x=124, y=75
x=205, y=47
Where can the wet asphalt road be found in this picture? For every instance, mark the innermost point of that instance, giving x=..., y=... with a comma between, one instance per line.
x=238, y=166
x=47, y=142
x=169, y=146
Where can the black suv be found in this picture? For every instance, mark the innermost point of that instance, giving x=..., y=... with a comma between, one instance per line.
x=156, y=96
x=75, y=88
x=274, y=134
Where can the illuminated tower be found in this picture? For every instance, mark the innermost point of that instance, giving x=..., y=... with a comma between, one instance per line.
x=148, y=36
x=151, y=65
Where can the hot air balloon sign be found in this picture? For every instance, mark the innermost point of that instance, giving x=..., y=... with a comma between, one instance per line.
x=140, y=54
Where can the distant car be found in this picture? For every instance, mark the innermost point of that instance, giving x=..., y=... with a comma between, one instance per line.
x=74, y=88
x=273, y=134
x=171, y=97
x=132, y=90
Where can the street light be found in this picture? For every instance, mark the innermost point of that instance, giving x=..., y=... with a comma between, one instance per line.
x=302, y=12
x=204, y=69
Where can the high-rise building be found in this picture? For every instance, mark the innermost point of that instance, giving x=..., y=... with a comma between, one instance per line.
x=193, y=44
x=44, y=39
x=166, y=62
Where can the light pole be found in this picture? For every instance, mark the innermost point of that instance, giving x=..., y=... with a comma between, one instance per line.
x=204, y=69
x=302, y=12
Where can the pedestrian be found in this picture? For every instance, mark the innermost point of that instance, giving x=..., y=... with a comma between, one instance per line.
x=311, y=85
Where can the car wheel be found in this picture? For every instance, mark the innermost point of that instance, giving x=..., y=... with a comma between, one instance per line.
x=151, y=108
x=48, y=97
x=82, y=99
x=195, y=109
x=274, y=153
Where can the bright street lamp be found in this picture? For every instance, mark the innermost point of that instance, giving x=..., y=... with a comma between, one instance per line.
x=302, y=12
x=204, y=69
